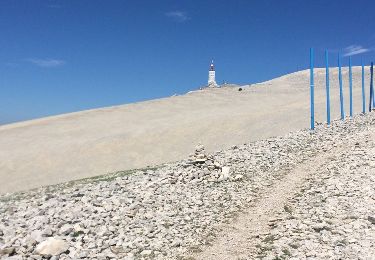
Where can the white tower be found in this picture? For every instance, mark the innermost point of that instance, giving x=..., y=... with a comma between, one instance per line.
x=211, y=76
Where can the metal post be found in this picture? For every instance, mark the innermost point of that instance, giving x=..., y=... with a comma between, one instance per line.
x=371, y=85
x=363, y=89
x=341, y=93
x=312, y=88
x=350, y=87
x=327, y=91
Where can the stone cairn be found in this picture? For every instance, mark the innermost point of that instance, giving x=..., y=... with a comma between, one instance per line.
x=201, y=160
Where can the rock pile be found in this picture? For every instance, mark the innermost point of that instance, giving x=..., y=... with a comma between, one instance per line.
x=165, y=212
x=199, y=156
x=218, y=171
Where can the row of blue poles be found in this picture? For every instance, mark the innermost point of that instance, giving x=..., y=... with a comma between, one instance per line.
x=312, y=108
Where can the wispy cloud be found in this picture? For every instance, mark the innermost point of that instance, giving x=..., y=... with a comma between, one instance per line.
x=354, y=50
x=178, y=16
x=46, y=63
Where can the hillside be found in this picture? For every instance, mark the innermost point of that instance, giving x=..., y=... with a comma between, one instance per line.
x=298, y=196
x=89, y=143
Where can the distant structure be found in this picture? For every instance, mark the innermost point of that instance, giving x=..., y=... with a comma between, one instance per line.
x=211, y=76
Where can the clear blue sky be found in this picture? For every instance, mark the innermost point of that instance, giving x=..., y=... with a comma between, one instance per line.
x=69, y=55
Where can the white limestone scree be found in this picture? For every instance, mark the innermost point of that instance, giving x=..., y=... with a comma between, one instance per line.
x=211, y=76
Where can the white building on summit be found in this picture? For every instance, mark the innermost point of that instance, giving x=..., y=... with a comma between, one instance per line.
x=211, y=76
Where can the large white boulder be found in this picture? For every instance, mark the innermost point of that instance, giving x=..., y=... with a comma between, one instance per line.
x=52, y=246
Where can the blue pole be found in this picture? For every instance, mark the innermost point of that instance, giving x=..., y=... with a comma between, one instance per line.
x=350, y=87
x=371, y=85
x=341, y=93
x=327, y=91
x=312, y=88
x=363, y=89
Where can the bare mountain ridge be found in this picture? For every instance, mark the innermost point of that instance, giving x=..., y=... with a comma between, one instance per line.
x=93, y=142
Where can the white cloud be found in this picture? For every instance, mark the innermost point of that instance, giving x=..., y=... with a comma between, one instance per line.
x=46, y=63
x=354, y=50
x=178, y=16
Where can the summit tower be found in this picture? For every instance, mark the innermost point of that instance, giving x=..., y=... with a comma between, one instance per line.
x=211, y=76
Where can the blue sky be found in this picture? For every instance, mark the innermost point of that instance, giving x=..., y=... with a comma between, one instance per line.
x=70, y=55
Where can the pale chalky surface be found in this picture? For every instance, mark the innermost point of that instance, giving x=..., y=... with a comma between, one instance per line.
x=180, y=209
x=89, y=143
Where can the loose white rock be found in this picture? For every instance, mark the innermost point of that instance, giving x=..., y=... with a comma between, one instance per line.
x=225, y=172
x=52, y=246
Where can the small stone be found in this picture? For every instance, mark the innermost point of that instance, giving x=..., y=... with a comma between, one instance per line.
x=117, y=249
x=47, y=232
x=29, y=241
x=217, y=165
x=238, y=177
x=371, y=219
x=83, y=254
x=66, y=229
x=319, y=227
x=201, y=156
x=108, y=207
x=78, y=229
x=199, y=202
x=176, y=243
x=37, y=235
x=199, y=148
x=7, y=251
x=225, y=172
x=146, y=252
x=91, y=245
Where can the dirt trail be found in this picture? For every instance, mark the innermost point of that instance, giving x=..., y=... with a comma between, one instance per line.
x=238, y=240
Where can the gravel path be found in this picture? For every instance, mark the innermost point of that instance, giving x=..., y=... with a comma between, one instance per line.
x=334, y=215
x=179, y=210
x=239, y=239
x=255, y=233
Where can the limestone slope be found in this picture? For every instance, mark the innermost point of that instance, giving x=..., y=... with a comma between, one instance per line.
x=302, y=195
x=88, y=143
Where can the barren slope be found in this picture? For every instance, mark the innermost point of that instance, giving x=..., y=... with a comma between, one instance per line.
x=300, y=196
x=89, y=143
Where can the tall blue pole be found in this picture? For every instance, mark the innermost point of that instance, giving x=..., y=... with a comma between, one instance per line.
x=341, y=93
x=350, y=87
x=312, y=88
x=363, y=89
x=371, y=85
x=327, y=91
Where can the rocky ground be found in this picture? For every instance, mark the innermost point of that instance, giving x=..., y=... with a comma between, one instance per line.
x=171, y=211
x=333, y=215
